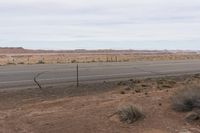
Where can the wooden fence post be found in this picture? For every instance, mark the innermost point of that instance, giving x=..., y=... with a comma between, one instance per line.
x=77, y=76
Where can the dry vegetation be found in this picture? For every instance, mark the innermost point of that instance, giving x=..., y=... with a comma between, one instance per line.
x=186, y=99
x=102, y=108
x=23, y=56
x=129, y=114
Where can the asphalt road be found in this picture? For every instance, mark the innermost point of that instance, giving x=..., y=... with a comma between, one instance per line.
x=22, y=75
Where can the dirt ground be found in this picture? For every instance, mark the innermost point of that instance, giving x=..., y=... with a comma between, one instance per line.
x=89, y=109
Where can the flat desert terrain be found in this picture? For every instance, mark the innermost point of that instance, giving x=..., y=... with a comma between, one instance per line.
x=9, y=56
x=162, y=104
x=91, y=108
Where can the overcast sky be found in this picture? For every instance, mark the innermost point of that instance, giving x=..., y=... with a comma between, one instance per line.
x=100, y=24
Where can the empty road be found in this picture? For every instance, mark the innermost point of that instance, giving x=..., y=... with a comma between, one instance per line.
x=22, y=75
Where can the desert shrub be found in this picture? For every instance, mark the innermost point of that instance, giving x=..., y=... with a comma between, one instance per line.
x=145, y=85
x=11, y=63
x=121, y=83
x=186, y=99
x=192, y=116
x=73, y=61
x=131, y=80
x=129, y=114
x=166, y=86
x=40, y=62
x=93, y=60
x=138, y=90
x=122, y=92
x=196, y=76
x=21, y=63
x=127, y=88
x=171, y=82
x=163, y=84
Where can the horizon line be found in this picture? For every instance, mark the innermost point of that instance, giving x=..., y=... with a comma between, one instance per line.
x=114, y=49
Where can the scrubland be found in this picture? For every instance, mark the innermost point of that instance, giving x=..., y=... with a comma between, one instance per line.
x=147, y=105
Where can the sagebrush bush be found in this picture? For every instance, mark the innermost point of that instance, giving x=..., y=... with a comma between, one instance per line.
x=186, y=99
x=40, y=62
x=129, y=114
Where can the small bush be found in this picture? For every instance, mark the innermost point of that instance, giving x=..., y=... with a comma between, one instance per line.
x=10, y=63
x=73, y=61
x=93, y=60
x=122, y=92
x=196, y=76
x=145, y=85
x=186, y=99
x=131, y=80
x=138, y=90
x=127, y=88
x=192, y=116
x=166, y=86
x=171, y=82
x=40, y=62
x=136, y=81
x=21, y=63
x=129, y=114
x=121, y=83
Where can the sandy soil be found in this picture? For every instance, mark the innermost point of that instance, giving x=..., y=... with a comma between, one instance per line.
x=90, y=111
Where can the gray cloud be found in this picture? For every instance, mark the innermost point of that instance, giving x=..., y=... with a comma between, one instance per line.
x=103, y=21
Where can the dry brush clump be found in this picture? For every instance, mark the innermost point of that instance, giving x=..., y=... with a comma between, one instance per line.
x=196, y=76
x=186, y=99
x=192, y=116
x=165, y=84
x=129, y=114
x=40, y=62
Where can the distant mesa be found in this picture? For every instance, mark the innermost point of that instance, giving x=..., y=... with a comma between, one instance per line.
x=21, y=50
x=10, y=50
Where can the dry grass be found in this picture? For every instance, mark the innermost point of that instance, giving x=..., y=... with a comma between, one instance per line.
x=54, y=58
x=129, y=114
